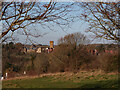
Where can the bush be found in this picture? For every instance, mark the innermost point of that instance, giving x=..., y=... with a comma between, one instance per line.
x=69, y=57
x=41, y=63
x=108, y=62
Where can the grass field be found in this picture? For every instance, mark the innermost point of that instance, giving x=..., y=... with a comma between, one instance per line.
x=66, y=80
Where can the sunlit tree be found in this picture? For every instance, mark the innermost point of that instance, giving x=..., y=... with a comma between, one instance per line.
x=18, y=16
x=103, y=18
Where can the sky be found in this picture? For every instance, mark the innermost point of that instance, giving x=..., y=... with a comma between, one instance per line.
x=64, y=0
x=55, y=34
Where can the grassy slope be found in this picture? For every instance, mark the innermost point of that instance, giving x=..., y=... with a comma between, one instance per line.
x=66, y=80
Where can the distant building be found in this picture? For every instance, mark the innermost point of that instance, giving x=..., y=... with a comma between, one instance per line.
x=29, y=48
x=97, y=49
x=39, y=48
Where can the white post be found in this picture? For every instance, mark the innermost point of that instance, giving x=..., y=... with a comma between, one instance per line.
x=6, y=74
x=2, y=78
x=24, y=72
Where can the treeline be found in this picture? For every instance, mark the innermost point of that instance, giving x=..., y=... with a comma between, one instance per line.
x=69, y=55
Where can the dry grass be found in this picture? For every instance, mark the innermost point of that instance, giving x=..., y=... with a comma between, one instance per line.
x=68, y=75
x=65, y=79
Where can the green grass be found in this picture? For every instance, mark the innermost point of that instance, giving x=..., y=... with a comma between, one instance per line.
x=65, y=81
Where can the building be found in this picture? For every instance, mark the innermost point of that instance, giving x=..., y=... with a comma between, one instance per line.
x=39, y=48
x=51, y=44
x=29, y=48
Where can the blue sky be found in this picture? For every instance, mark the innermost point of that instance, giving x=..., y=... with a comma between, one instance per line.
x=77, y=26
x=56, y=32
x=53, y=35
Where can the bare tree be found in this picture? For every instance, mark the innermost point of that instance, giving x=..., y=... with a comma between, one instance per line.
x=103, y=18
x=71, y=52
x=17, y=16
x=74, y=39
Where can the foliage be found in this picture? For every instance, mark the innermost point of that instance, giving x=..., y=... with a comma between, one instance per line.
x=41, y=63
x=71, y=52
x=65, y=57
x=109, y=63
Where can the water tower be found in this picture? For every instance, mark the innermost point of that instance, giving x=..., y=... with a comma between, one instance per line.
x=51, y=44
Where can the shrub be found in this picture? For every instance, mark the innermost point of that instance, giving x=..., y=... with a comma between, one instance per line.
x=108, y=62
x=41, y=63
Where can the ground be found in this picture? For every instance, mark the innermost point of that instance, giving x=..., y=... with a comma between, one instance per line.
x=83, y=79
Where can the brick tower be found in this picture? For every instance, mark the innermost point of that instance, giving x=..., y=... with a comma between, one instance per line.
x=51, y=44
